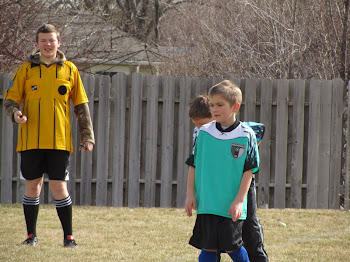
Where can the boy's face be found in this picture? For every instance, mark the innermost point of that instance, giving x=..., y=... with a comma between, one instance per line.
x=48, y=45
x=198, y=122
x=222, y=111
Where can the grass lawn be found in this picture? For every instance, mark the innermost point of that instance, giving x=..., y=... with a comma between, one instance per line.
x=158, y=234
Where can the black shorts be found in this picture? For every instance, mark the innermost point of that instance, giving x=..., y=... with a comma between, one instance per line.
x=36, y=162
x=217, y=232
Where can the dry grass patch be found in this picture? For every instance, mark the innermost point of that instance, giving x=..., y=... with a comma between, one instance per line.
x=157, y=234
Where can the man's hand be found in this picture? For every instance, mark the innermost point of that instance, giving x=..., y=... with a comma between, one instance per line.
x=87, y=145
x=19, y=118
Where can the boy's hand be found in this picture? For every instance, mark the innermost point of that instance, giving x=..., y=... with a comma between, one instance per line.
x=236, y=210
x=19, y=118
x=190, y=203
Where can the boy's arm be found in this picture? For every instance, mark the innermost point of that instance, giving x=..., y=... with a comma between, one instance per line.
x=12, y=109
x=86, y=131
x=14, y=94
x=190, y=195
x=236, y=207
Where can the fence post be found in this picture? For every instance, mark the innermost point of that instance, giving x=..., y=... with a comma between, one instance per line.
x=102, y=142
x=313, y=144
x=324, y=144
x=86, y=159
x=337, y=108
x=265, y=147
x=184, y=140
x=167, y=142
x=133, y=187
x=118, y=123
x=297, y=148
x=347, y=153
x=152, y=84
x=6, y=153
x=281, y=144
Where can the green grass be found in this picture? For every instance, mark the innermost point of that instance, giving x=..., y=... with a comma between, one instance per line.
x=157, y=234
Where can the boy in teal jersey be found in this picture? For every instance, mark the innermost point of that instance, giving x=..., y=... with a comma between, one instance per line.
x=252, y=232
x=225, y=157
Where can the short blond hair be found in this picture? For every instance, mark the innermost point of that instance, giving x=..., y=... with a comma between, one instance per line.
x=228, y=90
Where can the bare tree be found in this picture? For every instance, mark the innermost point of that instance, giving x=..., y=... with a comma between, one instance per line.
x=260, y=39
x=17, y=19
x=99, y=30
x=138, y=18
x=240, y=38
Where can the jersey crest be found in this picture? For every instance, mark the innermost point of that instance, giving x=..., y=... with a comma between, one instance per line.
x=237, y=150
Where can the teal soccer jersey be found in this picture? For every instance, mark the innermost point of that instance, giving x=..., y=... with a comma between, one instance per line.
x=221, y=157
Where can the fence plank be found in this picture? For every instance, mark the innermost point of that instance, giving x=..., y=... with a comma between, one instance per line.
x=102, y=140
x=250, y=99
x=298, y=142
x=183, y=140
x=151, y=140
x=118, y=124
x=281, y=143
x=167, y=141
x=265, y=145
x=347, y=156
x=336, y=142
x=86, y=159
x=201, y=86
x=313, y=144
x=6, y=152
x=135, y=140
x=72, y=167
x=324, y=144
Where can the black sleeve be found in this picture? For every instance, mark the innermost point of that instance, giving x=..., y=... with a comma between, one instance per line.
x=190, y=160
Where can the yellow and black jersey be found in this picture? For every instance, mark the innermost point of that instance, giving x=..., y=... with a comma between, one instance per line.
x=45, y=91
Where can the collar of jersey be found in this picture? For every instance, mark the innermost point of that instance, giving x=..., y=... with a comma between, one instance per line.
x=229, y=129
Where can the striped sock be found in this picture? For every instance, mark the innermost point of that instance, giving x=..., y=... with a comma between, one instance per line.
x=64, y=211
x=31, y=211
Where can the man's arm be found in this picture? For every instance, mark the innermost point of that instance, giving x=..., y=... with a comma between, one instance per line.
x=236, y=207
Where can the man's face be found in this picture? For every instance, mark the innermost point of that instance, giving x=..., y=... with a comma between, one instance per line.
x=48, y=45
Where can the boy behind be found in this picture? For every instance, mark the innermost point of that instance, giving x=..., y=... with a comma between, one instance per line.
x=225, y=157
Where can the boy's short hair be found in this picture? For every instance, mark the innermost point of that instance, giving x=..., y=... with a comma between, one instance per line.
x=200, y=107
x=47, y=28
x=228, y=90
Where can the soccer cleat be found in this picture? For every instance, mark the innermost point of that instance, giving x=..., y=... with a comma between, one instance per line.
x=70, y=242
x=31, y=240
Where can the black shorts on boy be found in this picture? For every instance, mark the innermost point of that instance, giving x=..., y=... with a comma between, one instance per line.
x=252, y=231
x=36, y=162
x=216, y=232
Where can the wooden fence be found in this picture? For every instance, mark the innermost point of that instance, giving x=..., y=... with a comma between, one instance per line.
x=143, y=136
